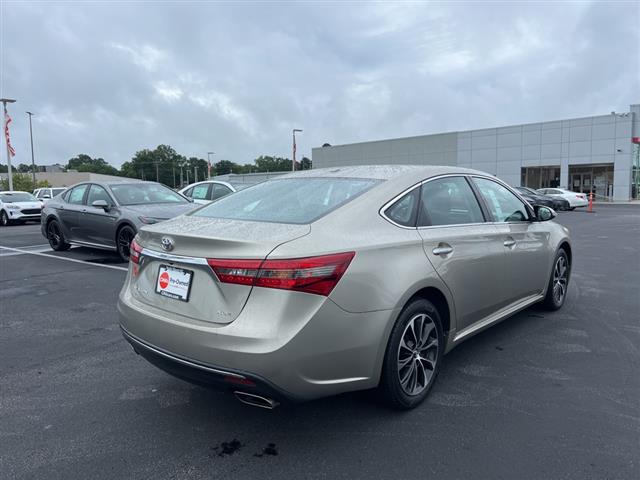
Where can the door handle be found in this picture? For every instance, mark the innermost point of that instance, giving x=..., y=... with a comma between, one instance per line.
x=442, y=249
x=510, y=242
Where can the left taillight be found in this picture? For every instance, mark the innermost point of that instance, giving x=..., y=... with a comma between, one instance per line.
x=135, y=250
x=318, y=275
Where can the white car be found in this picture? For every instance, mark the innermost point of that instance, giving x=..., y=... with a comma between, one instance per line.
x=209, y=190
x=575, y=199
x=47, y=193
x=18, y=207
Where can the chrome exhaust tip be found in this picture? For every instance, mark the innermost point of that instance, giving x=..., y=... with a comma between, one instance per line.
x=256, y=400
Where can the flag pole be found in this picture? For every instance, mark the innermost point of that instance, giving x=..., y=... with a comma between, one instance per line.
x=6, y=138
x=293, y=162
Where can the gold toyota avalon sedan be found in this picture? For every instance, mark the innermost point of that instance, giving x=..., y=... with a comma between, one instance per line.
x=332, y=280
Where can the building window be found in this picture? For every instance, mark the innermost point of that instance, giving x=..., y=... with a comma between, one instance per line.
x=540, y=177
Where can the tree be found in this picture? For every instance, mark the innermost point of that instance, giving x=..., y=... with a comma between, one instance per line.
x=23, y=182
x=305, y=163
x=24, y=168
x=265, y=163
x=224, y=167
x=162, y=164
x=199, y=166
x=84, y=163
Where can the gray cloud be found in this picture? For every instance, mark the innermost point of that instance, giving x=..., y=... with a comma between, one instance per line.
x=110, y=79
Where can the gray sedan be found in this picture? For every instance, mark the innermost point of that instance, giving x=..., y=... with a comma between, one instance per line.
x=332, y=280
x=107, y=215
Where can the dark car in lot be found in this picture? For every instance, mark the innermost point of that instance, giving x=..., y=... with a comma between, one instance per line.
x=107, y=215
x=536, y=198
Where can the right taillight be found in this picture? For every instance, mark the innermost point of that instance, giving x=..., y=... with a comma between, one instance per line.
x=318, y=275
x=134, y=252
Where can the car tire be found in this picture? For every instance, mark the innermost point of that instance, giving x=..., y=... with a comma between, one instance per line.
x=56, y=237
x=4, y=219
x=124, y=236
x=558, y=282
x=572, y=208
x=411, y=362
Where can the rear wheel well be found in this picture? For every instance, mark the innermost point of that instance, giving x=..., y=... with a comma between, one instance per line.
x=438, y=299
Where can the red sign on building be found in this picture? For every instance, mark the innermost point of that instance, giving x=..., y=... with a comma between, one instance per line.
x=635, y=139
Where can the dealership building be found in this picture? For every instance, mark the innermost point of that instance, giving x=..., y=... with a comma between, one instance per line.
x=599, y=154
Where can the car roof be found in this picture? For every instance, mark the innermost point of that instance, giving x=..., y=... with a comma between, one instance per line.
x=383, y=172
x=208, y=181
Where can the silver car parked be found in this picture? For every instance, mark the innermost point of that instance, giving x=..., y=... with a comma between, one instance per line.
x=107, y=215
x=332, y=280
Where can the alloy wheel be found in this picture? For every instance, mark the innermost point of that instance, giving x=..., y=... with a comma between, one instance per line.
x=418, y=354
x=560, y=279
x=125, y=236
x=53, y=233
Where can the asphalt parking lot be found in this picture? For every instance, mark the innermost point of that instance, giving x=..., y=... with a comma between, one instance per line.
x=541, y=396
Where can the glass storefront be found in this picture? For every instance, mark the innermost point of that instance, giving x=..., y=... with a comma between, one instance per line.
x=540, y=177
x=635, y=174
x=592, y=178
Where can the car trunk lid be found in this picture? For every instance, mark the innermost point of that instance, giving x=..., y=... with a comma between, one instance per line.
x=188, y=243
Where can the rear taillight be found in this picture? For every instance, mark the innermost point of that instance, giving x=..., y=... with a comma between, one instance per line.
x=134, y=252
x=317, y=275
x=581, y=196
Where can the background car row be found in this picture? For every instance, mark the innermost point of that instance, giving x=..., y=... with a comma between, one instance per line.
x=107, y=215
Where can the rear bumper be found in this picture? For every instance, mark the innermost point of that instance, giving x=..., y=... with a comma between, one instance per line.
x=291, y=351
x=207, y=375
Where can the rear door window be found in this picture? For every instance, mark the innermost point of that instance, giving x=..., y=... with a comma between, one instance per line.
x=200, y=192
x=77, y=194
x=448, y=201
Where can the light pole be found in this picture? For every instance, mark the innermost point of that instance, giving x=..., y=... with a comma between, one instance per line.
x=209, y=164
x=6, y=138
x=293, y=162
x=33, y=162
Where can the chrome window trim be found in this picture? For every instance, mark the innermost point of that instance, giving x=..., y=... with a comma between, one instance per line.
x=382, y=209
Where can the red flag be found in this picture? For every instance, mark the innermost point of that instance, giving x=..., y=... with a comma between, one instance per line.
x=7, y=121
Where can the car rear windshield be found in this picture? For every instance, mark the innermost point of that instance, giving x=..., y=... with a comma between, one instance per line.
x=57, y=191
x=145, y=193
x=17, y=197
x=293, y=200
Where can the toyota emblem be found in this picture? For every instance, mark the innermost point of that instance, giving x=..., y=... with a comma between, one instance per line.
x=167, y=244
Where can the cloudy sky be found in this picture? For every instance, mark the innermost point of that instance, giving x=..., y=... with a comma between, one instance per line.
x=108, y=79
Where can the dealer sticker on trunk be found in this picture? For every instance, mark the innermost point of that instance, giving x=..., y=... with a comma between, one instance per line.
x=174, y=282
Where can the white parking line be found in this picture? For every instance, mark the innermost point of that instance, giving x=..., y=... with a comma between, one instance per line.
x=29, y=248
x=29, y=252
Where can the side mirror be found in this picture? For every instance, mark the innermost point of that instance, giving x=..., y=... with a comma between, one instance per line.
x=101, y=204
x=544, y=214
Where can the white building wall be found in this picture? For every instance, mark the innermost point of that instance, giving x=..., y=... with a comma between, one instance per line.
x=602, y=139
